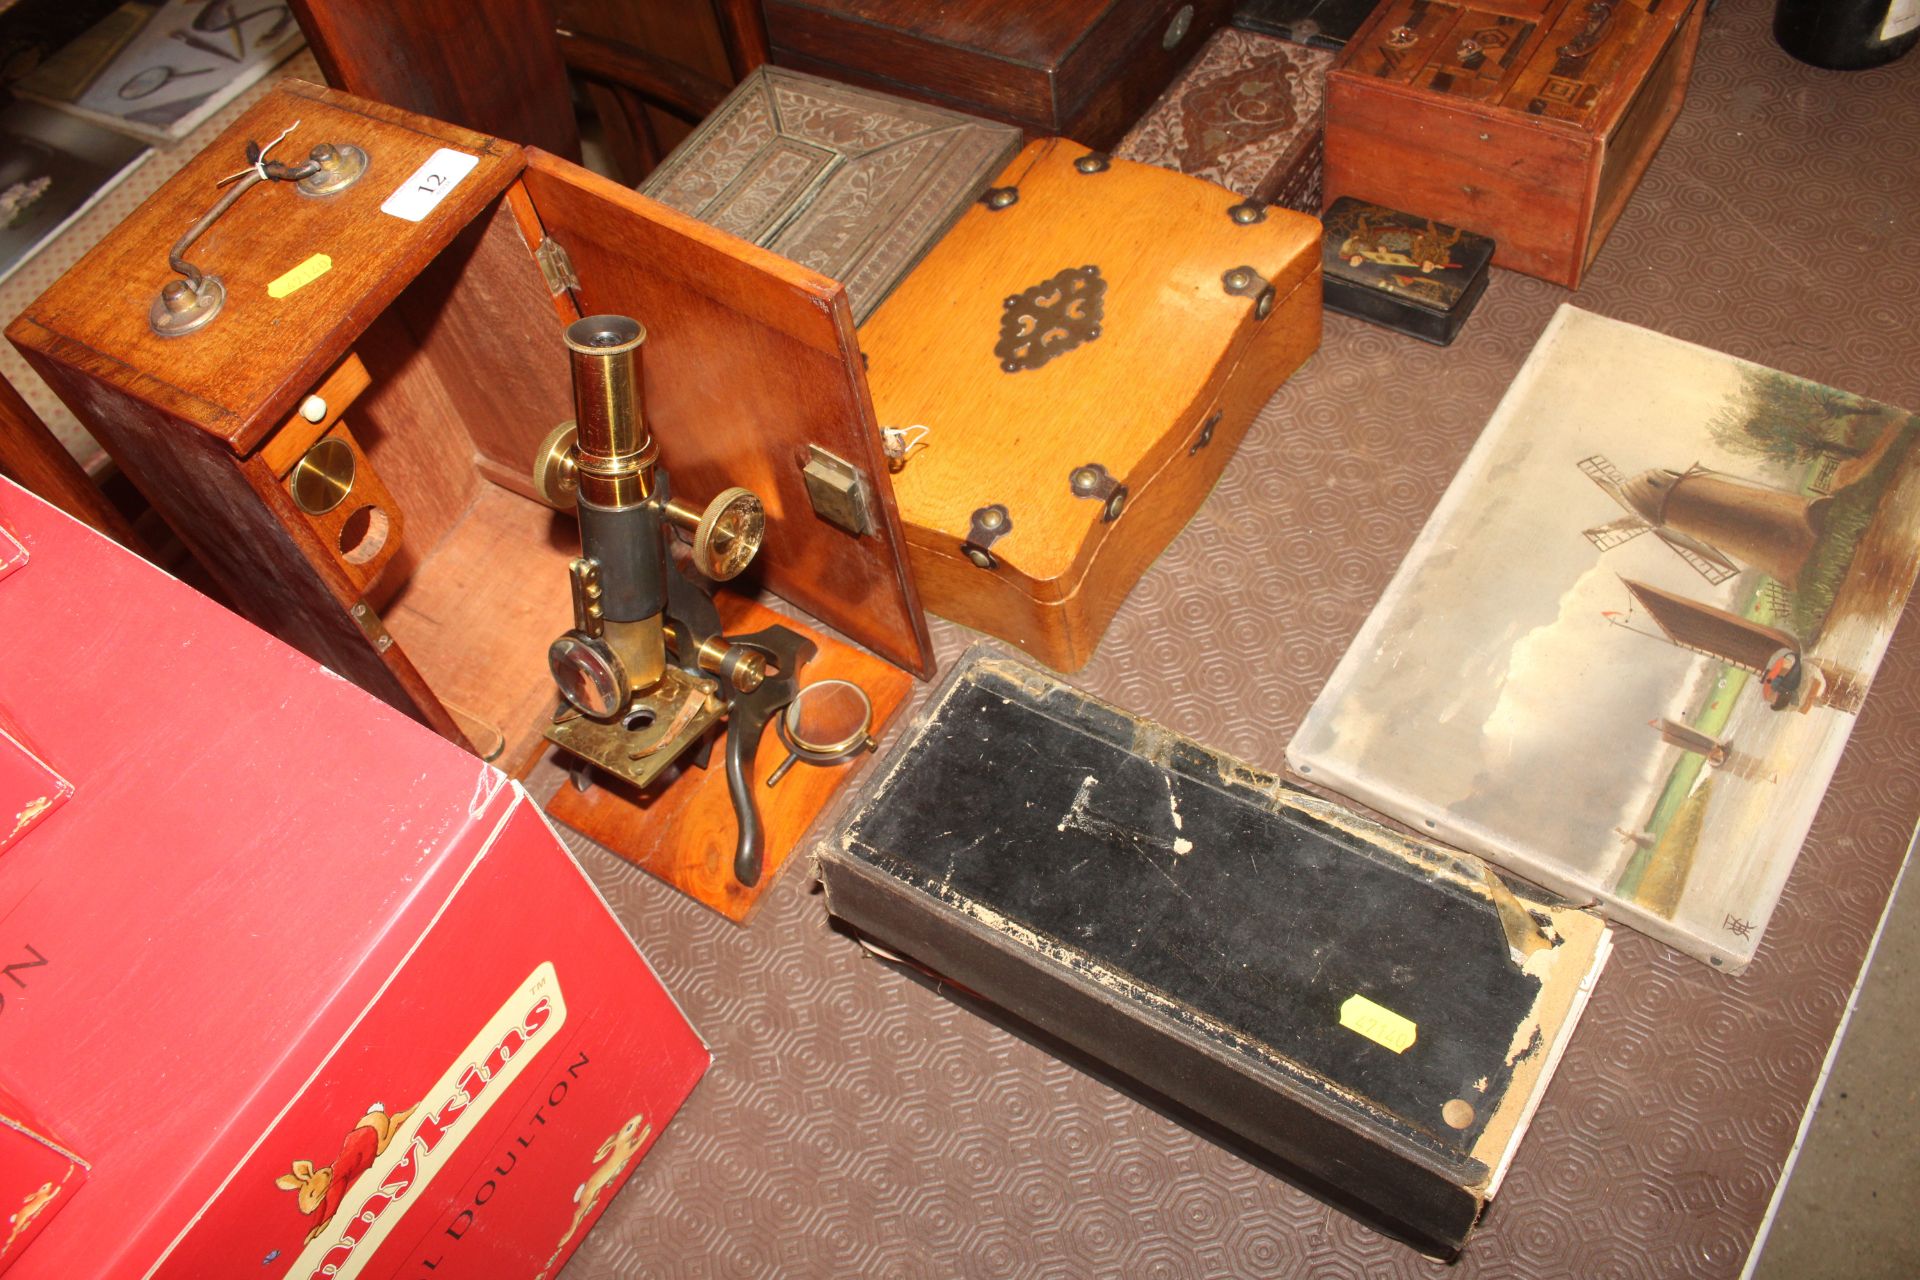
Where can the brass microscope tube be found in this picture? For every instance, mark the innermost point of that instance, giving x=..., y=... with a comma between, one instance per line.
x=614, y=467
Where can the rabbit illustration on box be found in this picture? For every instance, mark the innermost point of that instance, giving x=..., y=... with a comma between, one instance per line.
x=614, y=1155
x=23, y=1217
x=320, y=1190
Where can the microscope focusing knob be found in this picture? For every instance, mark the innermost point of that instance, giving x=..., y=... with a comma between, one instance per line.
x=553, y=468
x=729, y=534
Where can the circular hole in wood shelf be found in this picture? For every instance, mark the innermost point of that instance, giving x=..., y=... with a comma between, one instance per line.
x=364, y=534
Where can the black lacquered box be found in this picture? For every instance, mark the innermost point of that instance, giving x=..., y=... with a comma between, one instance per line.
x=1324, y=24
x=1408, y=273
x=1372, y=1015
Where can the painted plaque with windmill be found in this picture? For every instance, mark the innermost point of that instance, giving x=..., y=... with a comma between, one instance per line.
x=1625, y=654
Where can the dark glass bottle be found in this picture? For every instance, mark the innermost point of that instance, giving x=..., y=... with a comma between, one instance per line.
x=1847, y=35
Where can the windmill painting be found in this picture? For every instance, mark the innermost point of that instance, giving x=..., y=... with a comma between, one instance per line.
x=1625, y=654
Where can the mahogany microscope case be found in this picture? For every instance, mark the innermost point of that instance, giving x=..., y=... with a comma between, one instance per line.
x=415, y=318
x=1372, y=1015
x=1086, y=349
x=854, y=184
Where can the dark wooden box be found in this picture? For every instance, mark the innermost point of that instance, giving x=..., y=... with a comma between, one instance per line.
x=1249, y=114
x=854, y=184
x=1080, y=69
x=1415, y=275
x=1530, y=121
x=1375, y=1014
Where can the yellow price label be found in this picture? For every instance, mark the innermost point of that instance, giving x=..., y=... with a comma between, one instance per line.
x=301, y=276
x=1378, y=1023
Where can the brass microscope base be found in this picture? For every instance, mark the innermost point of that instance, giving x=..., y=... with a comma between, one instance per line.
x=684, y=832
x=656, y=728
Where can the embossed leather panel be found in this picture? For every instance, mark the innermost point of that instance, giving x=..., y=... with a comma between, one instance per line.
x=854, y=184
x=1247, y=114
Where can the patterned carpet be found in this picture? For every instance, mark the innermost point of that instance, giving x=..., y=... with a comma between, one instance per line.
x=858, y=1121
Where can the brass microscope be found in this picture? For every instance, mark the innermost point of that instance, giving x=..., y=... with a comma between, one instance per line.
x=646, y=672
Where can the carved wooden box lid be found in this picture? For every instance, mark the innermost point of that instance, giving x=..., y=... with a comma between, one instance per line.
x=854, y=184
x=1563, y=60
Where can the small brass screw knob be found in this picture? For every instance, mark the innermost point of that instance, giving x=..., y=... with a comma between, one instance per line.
x=749, y=672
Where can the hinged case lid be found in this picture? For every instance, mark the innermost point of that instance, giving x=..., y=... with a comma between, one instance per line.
x=1034, y=63
x=751, y=363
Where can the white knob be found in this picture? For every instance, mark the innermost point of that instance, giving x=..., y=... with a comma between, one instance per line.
x=314, y=409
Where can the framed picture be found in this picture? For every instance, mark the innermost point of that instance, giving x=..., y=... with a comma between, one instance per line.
x=53, y=166
x=1624, y=655
x=156, y=72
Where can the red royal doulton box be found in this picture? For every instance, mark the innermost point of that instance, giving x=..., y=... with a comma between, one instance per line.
x=313, y=992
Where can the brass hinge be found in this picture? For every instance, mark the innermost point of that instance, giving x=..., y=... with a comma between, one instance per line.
x=369, y=622
x=556, y=266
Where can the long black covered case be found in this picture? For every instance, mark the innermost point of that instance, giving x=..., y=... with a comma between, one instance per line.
x=1368, y=1010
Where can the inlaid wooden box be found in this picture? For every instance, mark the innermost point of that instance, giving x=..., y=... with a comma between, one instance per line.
x=1530, y=121
x=415, y=320
x=1085, y=349
x=855, y=184
x=1081, y=69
